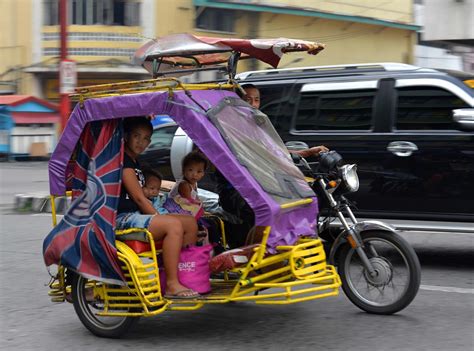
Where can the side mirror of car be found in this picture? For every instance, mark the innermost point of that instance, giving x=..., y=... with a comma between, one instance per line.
x=464, y=117
x=296, y=145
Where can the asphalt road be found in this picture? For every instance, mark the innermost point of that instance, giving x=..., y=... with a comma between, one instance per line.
x=440, y=318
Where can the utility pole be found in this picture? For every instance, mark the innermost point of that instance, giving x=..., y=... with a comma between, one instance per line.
x=67, y=69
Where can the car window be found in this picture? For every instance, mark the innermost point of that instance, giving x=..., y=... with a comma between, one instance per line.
x=427, y=108
x=162, y=137
x=276, y=104
x=335, y=110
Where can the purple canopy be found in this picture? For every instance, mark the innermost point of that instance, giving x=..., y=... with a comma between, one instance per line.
x=287, y=225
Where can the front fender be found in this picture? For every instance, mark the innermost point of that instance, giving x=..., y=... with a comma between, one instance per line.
x=359, y=228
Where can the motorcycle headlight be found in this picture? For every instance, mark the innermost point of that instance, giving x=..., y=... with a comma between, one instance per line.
x=349, y=177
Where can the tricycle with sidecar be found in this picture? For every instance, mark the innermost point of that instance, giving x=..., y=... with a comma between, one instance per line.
x=112, y=284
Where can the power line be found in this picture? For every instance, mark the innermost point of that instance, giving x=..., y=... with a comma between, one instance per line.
x=329, y=36
x=343, y=36
x=365, y=7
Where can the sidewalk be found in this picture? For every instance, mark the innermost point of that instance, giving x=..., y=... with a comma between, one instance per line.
x=39, y=202
x=24, y=186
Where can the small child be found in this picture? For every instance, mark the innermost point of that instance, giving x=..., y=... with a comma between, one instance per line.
x=151, y=189
x=183, y=197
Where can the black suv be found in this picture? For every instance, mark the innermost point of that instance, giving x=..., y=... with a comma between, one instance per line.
x=415, y=156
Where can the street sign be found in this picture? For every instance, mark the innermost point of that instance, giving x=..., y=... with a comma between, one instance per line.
x=67, y=76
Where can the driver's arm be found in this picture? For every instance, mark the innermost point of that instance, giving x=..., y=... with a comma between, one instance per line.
x=313, y=151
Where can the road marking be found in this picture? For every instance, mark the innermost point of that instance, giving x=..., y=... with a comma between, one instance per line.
x=447, y=289
x=408, y=233
x=45, y=215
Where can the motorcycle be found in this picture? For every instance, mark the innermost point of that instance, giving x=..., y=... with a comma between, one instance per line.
x=379, y=270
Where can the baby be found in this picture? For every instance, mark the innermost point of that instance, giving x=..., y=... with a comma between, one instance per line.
x=183, y=197
x=151, y=189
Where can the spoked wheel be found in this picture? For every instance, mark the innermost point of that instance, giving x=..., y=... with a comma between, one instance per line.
x=397, y=278
x=87, y=306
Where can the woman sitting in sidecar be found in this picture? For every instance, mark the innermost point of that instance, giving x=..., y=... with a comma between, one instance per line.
x=136, y=211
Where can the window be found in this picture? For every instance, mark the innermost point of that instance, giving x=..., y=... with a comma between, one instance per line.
x=335, y=110
x=276, y=104
x=427, y=108
x=255, y=143
x=89, y=12
x=50, y=11
x=90, y=52
x=215, y=19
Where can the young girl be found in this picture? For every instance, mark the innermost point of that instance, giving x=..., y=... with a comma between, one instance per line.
x=135, y=210
x=183, y=197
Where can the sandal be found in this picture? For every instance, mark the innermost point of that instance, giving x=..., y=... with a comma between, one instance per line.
x=183, y=294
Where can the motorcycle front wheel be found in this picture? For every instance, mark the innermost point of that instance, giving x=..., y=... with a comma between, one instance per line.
x=87, y=306
x=397, y=273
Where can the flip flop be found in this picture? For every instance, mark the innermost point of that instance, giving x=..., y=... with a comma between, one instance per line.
x=185, y=294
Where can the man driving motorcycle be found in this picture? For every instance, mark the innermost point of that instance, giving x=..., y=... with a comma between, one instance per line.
x=230, y=200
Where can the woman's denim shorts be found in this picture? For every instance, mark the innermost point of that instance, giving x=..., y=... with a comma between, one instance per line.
x=132, y=220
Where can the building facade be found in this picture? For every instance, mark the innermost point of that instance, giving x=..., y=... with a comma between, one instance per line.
x=103, y=34
x=456, y=34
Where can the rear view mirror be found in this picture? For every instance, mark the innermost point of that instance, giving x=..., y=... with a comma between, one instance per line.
x=464, y=117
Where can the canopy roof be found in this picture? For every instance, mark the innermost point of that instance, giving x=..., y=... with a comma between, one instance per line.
x=190, y=51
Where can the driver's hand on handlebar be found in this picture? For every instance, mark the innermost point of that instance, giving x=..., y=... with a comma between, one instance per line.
x=313, y=151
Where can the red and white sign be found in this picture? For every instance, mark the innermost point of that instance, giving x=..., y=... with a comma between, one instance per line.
x=67, y=77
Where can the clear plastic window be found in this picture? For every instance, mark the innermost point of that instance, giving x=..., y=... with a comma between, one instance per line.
x=254, y=141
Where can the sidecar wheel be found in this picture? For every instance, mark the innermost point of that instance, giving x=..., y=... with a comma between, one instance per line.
x=88, y=306
x=398, y=273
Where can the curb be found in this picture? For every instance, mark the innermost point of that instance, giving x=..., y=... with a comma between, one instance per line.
x=39, y=203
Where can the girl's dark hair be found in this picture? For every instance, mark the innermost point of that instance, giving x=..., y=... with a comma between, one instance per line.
x=148, y=172
x=131, y=123
x=194, y=157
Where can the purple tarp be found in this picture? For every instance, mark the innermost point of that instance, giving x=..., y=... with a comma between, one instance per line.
x=286, y=225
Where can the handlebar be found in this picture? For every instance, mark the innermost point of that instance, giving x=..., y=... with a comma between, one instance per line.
x=328, y=161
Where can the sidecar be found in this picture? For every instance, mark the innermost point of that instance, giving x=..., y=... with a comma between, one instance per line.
x=109, y=278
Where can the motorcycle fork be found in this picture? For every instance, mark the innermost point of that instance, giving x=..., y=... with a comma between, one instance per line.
x=352, y=236
x=354, y=239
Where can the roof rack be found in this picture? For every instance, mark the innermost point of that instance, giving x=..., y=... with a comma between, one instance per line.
x=143, y=86
x=353, y=68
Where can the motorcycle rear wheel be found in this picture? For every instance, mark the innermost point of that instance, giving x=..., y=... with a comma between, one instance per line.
x=397, y=279
x=87, y=307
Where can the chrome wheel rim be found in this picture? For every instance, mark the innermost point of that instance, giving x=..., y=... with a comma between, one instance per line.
x=392, y=277
x=92, y=307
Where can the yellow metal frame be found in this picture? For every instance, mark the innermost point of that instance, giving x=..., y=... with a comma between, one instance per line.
x=295, y=273
x=144, y=86
x=296, y=203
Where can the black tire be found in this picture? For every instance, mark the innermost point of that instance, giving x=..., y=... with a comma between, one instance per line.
x=107, y=327
x=388, y=246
